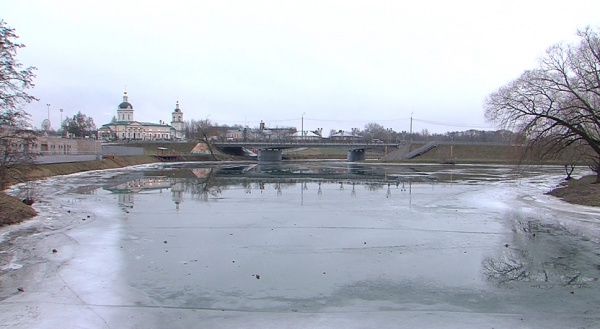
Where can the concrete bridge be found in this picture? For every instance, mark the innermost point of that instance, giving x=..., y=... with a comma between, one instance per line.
x=272, y=150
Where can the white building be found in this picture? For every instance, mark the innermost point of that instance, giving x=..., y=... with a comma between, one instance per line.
x=346, y=136
x=177, y=122
x=126, y=128
x=307, y=136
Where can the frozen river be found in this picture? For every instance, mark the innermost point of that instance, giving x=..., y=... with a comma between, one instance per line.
x=302, y=245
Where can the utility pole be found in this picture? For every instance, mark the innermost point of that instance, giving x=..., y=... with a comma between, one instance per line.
x=302, y=127
x=47, y=125
x=411, y=135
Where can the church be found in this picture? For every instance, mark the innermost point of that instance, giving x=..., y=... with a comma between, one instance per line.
x=126, y=128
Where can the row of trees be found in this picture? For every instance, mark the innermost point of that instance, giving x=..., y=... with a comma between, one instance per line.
x=203, y=129
x=377, y=131
x=15, y=130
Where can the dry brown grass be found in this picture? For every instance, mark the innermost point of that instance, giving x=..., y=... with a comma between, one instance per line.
x=581, y=191
x=470, y=154
x=13, y=210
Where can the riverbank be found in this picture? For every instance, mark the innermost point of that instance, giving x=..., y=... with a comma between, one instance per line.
x=581, y=191
x=13, y=210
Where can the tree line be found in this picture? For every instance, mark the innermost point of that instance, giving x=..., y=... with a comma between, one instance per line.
x=204, y=129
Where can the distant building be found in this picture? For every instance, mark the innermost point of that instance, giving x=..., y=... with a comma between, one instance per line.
x=126, y=128
x=61, y=146
x=250, y=134
x=13, y=142
x=346, y=136
x=308, y=136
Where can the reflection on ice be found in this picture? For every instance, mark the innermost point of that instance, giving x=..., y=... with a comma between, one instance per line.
x=206, y=184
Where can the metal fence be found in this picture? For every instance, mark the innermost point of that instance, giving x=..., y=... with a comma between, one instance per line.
x=64, y=158
x=121, y=150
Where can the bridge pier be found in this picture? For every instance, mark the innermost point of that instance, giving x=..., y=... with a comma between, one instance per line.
x=269, y=155
x=356, y=155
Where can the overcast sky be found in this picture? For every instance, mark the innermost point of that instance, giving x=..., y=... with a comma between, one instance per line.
x=338, y=64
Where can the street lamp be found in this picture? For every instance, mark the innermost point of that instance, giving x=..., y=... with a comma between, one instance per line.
x=303, y=113
x=61, y=130
x=411, y=119
x=47, y=121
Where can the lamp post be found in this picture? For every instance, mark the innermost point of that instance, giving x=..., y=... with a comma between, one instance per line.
x=60, y=126
x=303, y=113
x=47, y=126
x=411, y=135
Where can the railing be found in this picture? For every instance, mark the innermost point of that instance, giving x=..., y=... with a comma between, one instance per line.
x=421, y=150
x=71, y=157
x=48, y=153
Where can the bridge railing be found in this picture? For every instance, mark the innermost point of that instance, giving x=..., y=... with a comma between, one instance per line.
x=301, y=143
x=421, y=150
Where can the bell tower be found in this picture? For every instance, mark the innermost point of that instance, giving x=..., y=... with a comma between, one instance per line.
x=177, y=121
x=125, y=109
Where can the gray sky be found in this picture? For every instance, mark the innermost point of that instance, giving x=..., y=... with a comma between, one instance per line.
x=340, y=64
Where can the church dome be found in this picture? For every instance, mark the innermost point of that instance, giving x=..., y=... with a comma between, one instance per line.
x=177, y=107
x=125, y=105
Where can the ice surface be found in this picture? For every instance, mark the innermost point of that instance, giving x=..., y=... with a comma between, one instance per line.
x=303, y=245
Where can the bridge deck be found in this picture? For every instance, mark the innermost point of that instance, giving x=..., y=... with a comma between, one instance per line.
x=297, y=144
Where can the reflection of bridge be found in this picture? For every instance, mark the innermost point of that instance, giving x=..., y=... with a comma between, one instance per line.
x=201, y=183
x=271, y=150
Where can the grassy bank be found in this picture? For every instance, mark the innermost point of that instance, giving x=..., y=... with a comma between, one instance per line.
x=501, y=154
x=48, y=170
x=13, y=210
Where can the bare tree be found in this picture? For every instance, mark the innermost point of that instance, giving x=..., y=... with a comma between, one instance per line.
x=573, y=155
x=557, y=104
x=16, y=135
x=201, y=130
x=374, y=131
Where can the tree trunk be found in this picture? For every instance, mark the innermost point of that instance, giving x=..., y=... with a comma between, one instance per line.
x=209, y=145
x=596, y=169
x=569, y=171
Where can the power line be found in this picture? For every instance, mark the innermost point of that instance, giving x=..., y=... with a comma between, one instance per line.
x=299, y=119
x=451, y=124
